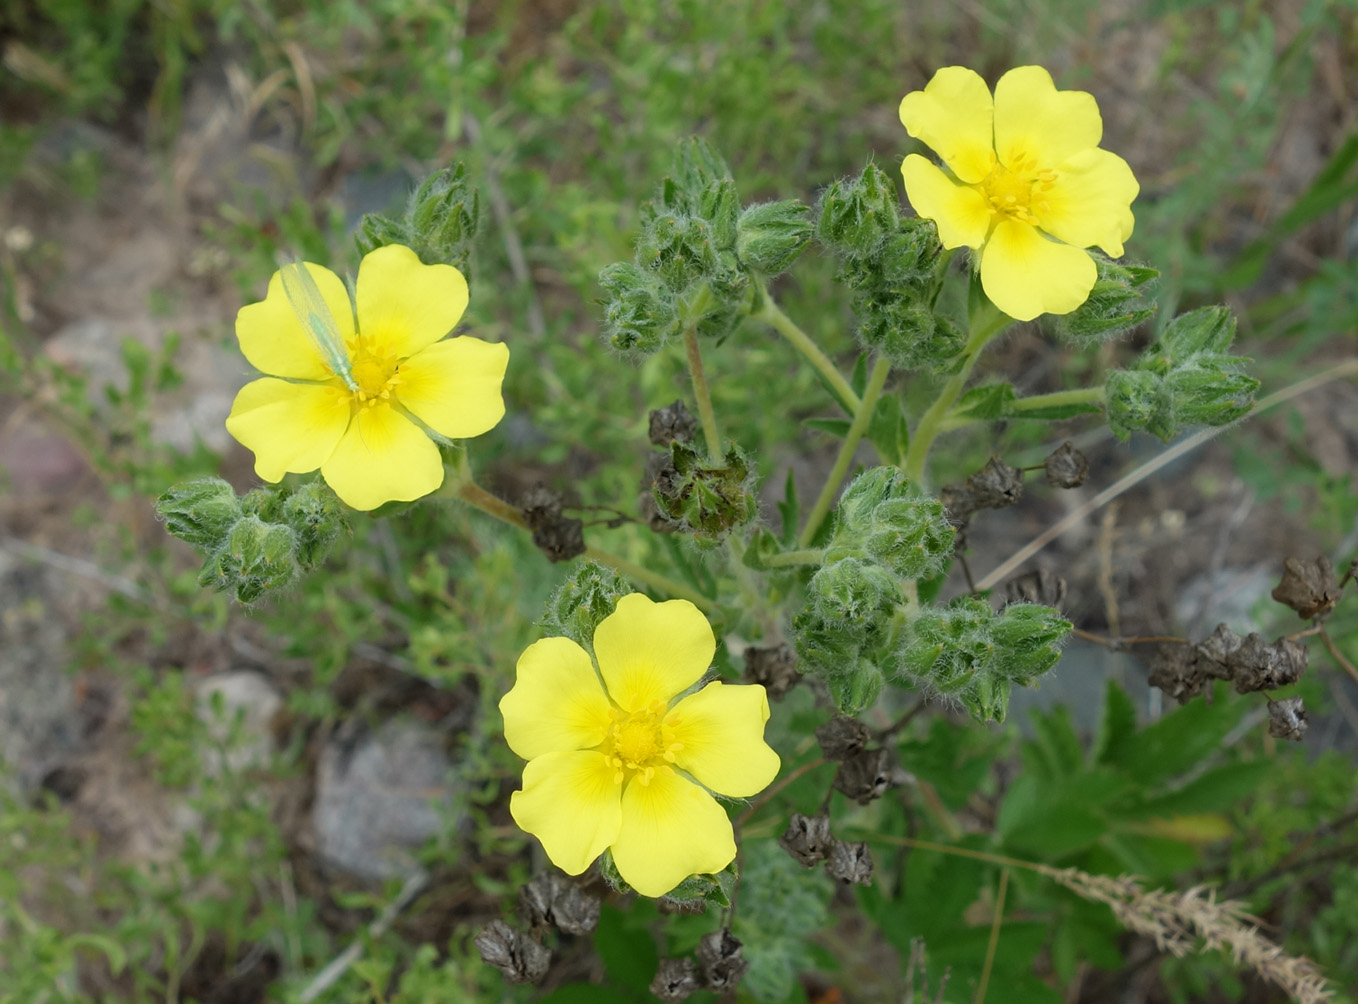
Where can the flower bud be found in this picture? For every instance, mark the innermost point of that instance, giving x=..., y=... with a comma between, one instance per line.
x=317, y=517
x=258, y=556
x=1118, y=302
x=640, y=314
x=440, y=221
x=850, y=862
x=200, y=512
x=883, y=516
x=856, y=215
x=1027, y=639
x=772, y=235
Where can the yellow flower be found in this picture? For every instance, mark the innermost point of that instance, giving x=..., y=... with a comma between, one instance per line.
x=620, y=764
x=355, y=403
x=1029, y=187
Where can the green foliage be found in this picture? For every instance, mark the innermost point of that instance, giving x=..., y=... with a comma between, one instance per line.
x=781, y=906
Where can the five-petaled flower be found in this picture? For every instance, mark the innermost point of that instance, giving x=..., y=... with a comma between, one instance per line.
x=358, y=409
x=1029, y=188
x=619, y=763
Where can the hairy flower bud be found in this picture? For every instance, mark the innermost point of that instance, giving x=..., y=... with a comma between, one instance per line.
x=439, y=225
x=772, y=235
x=258, y=556
x=640, y=313
x=1119, y=301
x=200, y=512
x=589, y=594
x=856, y=215
x=317, y=516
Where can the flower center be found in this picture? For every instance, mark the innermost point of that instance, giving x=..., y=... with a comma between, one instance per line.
x=376, y=374
x=1016, y=194
x=639, y=742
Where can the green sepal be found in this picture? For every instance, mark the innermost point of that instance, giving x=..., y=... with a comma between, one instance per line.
x=588, y=595
x=772, y=235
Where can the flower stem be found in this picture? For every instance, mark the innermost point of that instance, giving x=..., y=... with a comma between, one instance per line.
x=704, y=396
x=931, y=424
x=801, y=341
x=478, y=498
x=809, y=556
x=862, y=418
x=1056, y=399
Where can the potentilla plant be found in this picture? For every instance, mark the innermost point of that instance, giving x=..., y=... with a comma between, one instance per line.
x=637, y=749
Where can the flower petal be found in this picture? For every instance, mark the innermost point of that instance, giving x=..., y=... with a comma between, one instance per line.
x=405, y=305
x=1038, y=127
x=571, y=803
x=274, y=339
x=557, y=703
x=1025, y=274
x=671, y=829
x=721, y=728
x=453, y=386
x=383, y=457
x=290, y=427
x=650, y=651
x=1090, y=201
x=954, y=116
x=962, y=214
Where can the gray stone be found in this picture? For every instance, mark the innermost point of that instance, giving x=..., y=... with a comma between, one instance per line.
x=378, y=802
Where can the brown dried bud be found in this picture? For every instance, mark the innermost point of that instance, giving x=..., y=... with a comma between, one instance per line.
x=674, y=422
x=719, y=960
x=1066, y=468
x=850, y=863
x=659, y=468
x=775, y=668
x=518, y=956
x=1217, y=651
x=1287, y=719
x=1176, y=671
x=1258, y=666
x=558, y=536
x=840, y=737
x=553, y=900
x=958, y=505
x=865, y=776
x=1040, y=586
x=996, y=485
x=1308, y=588
x=675, y=979
x=807, y=839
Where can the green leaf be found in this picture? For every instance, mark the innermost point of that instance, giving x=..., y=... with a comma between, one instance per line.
x=1182, y=739
x=859, y=379
x=1117, y=727
x=590, y=993
x=629, y=954
x=788, y=509
x=984, y=403
x=1217, y=790
x=837, y=427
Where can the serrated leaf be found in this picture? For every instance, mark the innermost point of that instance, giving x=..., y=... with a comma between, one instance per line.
x=1117, y=727
x=985, y=403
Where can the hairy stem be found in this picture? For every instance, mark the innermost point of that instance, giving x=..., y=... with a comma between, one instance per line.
x=862, y=418
x=807, y=556
x=478, y=498
x=801, y=341
x=931, y=424
x=704, y=396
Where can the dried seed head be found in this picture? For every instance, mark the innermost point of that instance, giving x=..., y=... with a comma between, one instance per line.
x=1176, y=671
x=553, y=900
x=774, y=668
x=555, y=534
x=865, y=776
x=1309, y=588
x=659, y=469
x=1217, y=651
x=958, y=505
x=996, y=485
x=675, y=980
x=719, y=960
x=518, y=956
x=841, y=737
x=675, y=422
x=850, y=862
x=1041, y=586
x=807, y=839
x=1066, y=468
x=1260, y=666
x=1287, y=719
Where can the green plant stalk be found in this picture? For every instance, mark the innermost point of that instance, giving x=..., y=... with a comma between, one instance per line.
x=1082, y=395
x=801, y=341
x=478, y=498
x=808, y=556
x=861, y=419
x=931, y=424
x=704, y=396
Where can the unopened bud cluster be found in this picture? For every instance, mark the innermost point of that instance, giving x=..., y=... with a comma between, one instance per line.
x=439, y=222
x=698, y=257
x=887, y=532
x=1119, y=301
x=1186, y=378
x=895, y=267
x=262, y=541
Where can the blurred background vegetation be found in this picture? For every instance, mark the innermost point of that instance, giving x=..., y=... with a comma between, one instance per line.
x=158, y=842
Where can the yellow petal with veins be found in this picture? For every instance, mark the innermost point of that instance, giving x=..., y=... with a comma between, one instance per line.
x=1090, y=201
x=383, y=457
x=405, y=305
x=1025, y=274
x=961, y=213
x=721, y=732
x=650, y=651
x=1038, y=127
x=557, y=703
x=276, y=342
x=453, y=386
x=671, y=829
x=571, y=803
x=290, y=427
x=954, y=117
